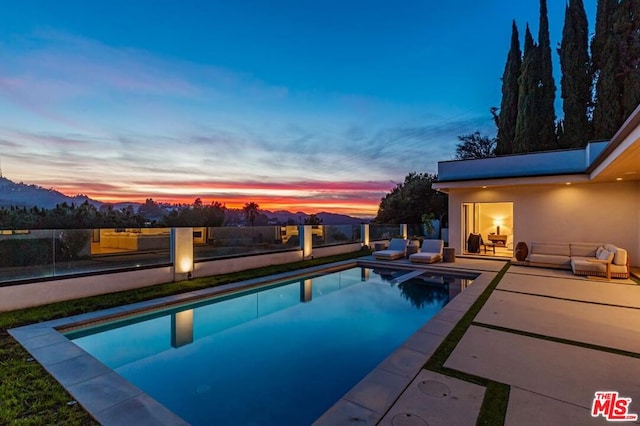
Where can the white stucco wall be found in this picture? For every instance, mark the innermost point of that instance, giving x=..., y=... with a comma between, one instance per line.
x=606, y=212
x=236, y=264
x=42, y=293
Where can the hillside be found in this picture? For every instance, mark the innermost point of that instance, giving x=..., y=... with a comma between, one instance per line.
x=24, y=195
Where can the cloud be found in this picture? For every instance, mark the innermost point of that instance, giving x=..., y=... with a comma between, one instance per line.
x=58, y=77
x=118, y=122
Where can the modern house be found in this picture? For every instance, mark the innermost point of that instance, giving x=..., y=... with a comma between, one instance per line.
x=590, y=194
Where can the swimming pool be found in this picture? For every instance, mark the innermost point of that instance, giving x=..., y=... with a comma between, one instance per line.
x=281, y=354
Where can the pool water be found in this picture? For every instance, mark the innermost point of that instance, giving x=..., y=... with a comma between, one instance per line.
x=281, y=355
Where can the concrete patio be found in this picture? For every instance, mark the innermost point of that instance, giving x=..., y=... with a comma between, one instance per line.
x=553, y=337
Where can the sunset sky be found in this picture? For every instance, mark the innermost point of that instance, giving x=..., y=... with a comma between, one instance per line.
x=299, y=105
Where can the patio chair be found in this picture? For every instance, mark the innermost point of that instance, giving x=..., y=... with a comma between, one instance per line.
x=473, y=243
x=396, y=250
x=430, y=252
x=485, y=244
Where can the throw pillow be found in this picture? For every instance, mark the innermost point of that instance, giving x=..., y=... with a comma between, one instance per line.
x=605, y=255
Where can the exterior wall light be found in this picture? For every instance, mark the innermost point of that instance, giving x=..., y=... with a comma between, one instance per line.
x=182, y=250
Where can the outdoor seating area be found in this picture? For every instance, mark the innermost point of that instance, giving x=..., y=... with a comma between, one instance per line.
x=582, y=258
x=431, y=251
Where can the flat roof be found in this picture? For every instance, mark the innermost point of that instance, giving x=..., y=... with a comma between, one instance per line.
x=601, y=161
x=547, y=163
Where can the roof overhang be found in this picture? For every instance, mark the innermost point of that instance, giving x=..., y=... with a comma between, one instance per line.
x=517, y=181
x=620, y=160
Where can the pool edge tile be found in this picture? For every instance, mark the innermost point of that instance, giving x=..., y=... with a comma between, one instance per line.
x=378, y=390
x=104, y=391
x=140, y=409
x=347, y=412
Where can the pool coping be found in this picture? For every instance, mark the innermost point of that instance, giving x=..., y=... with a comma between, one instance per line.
x=111, y=399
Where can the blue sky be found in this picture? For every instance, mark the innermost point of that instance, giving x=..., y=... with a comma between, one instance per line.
x=293, y=104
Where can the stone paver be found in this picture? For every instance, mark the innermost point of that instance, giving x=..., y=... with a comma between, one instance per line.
x=607, y=326
x=564, y=372
x=528, y=408
x=616, y=293
x=438, y=400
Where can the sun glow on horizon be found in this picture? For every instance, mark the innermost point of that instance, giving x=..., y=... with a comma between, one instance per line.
x=360, y=199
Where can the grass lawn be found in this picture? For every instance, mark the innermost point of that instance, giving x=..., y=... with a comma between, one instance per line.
x=30, y=396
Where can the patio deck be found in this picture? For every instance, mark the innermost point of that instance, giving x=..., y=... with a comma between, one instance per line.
x=553, y=337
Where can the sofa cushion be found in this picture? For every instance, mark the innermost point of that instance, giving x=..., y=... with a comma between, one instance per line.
x=619, y=254
x=551, y=248
x=619, y=269
x=432, y=246
x=585, y=266
x=585, y=249
x=425, y=257
x=388, y=254
x=550, y=259
x=398, y=244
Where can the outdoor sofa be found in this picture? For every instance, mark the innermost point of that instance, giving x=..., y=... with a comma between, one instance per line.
x=430, y=252
x=592, y=259
x=397, y=249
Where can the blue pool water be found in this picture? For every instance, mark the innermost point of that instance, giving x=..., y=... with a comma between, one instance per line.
x=281, y=355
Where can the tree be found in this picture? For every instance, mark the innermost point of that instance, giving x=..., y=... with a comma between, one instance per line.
x=408, y=201
x=313, y=219
x=626, y=27
x=150, y=210
x=607, y=113
x=474, y=145
x=251, y=211
x=546, y=86
x=196, y=215
x=526, y=123
x=576, y=79
x=509, y=104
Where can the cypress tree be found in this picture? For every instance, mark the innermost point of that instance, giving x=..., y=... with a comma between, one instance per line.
x=509, y=104
x=560, y=135
x=526, y=125
x=547, y=135
x=626, y=27
x=607, y=113
x=576, y=76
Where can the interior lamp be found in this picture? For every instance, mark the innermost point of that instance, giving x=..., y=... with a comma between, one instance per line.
x=497, y=223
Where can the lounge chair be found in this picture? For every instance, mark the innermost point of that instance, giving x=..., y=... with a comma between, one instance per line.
x=396, y=250
x=430, y=252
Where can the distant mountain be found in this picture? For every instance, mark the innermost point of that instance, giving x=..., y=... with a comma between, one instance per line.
x=284, y=216
x=23, y=195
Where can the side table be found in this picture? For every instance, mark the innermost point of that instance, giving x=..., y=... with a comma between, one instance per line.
x=449, y=254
